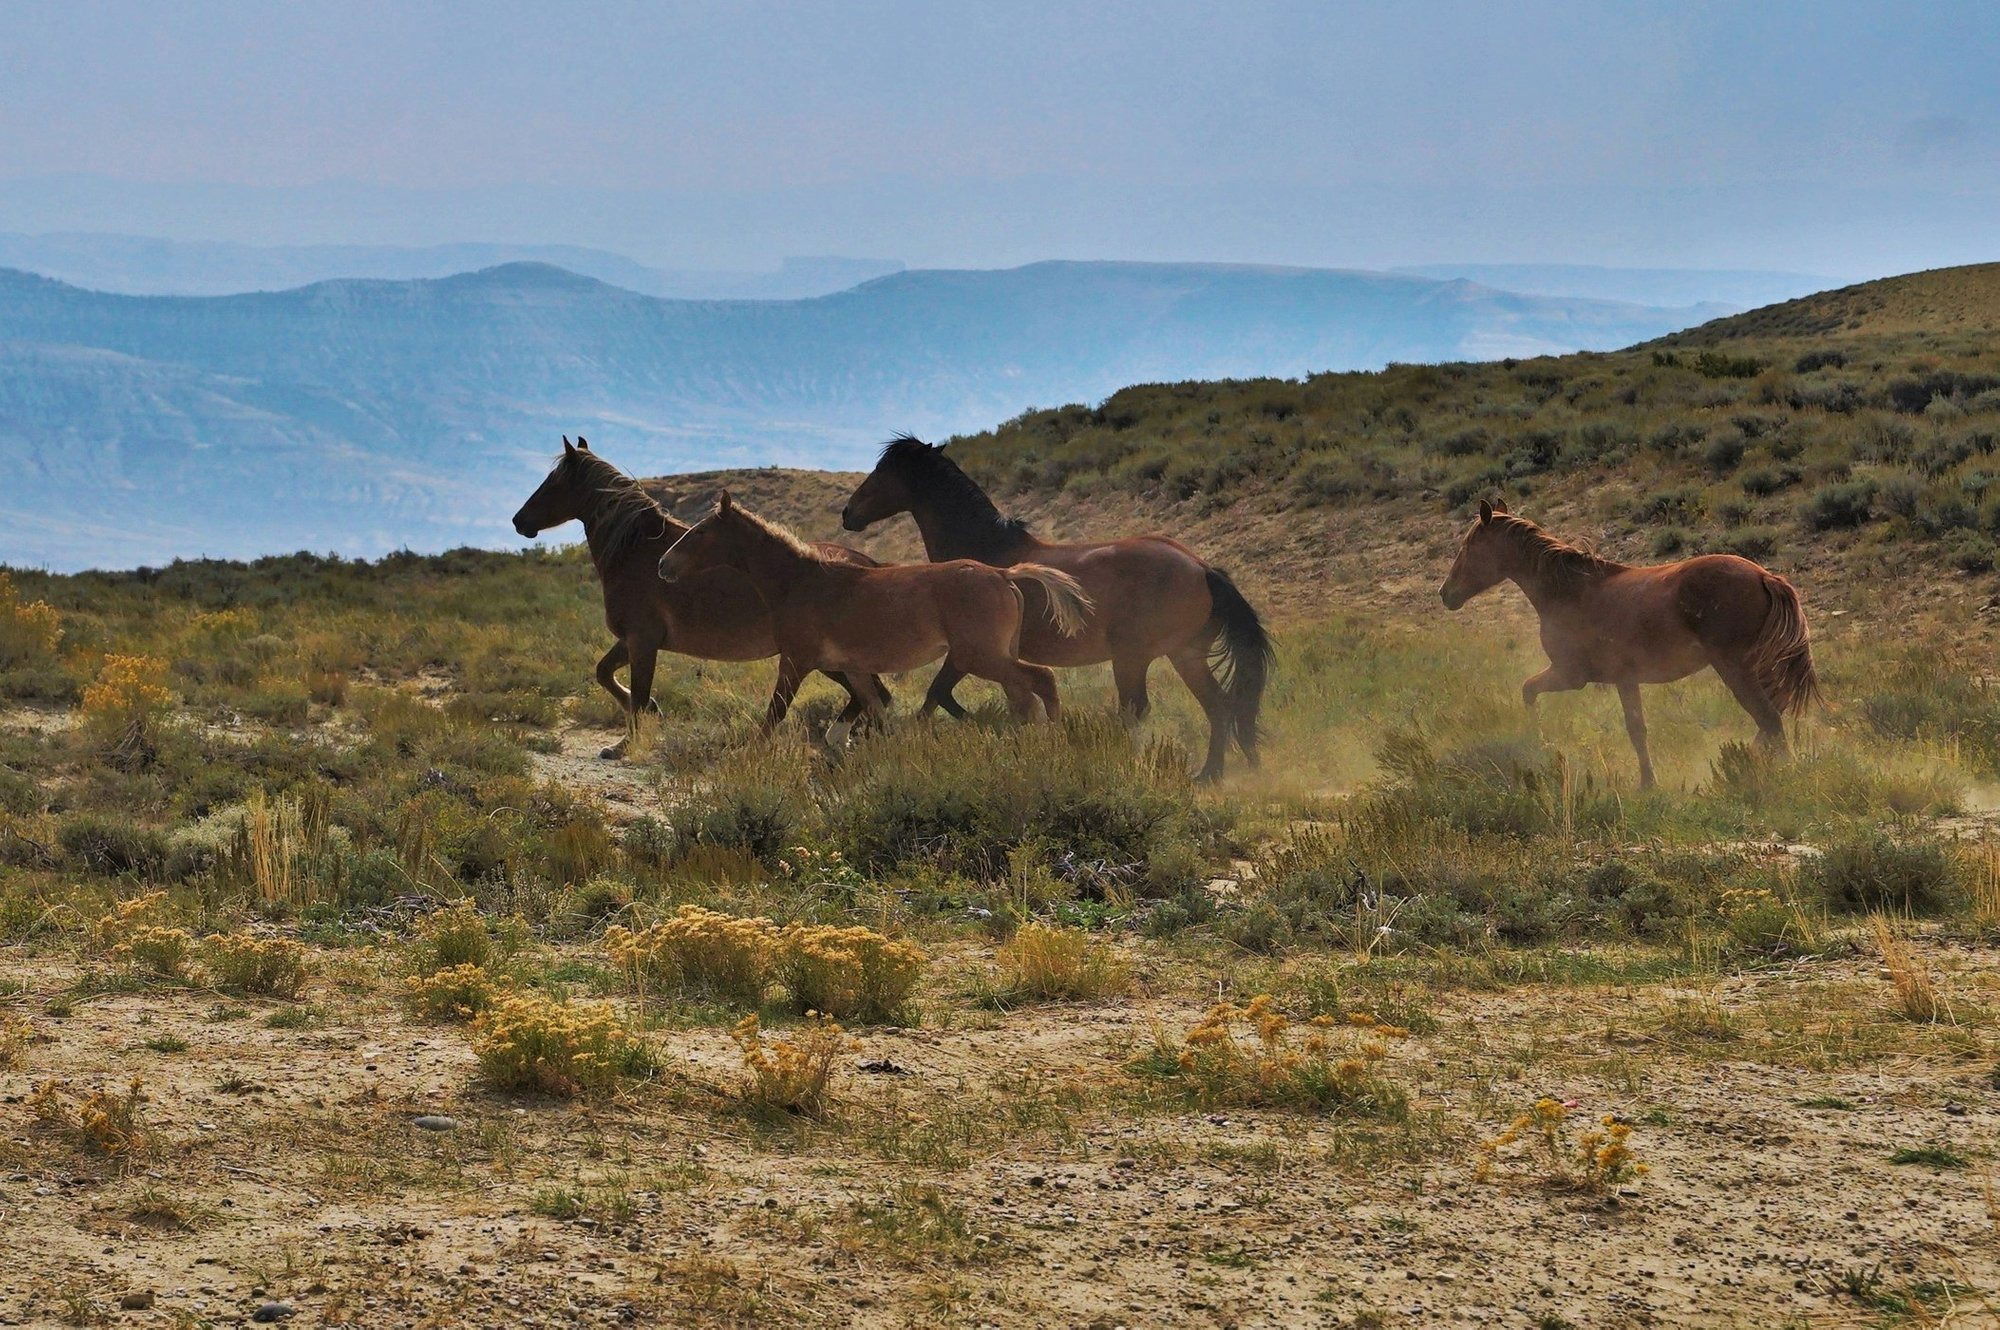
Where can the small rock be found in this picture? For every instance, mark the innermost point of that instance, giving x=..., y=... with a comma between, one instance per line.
x=136, y=1302
x=274, y=1311
x=434, y=1122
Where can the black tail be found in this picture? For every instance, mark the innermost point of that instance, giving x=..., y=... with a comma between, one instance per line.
x=1242, y=656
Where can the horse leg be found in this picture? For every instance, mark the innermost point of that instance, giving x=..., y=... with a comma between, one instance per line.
x=1043, y=680
x=1129, y=673
x=939, y=696
x=790, y=675
x=607, y=674
x=1635, y=730
x=1549, y=680
x=858, y=697
x=1191, y=663
x=643, y=656
x=1750, y=695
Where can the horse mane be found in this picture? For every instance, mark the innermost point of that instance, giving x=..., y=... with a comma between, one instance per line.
x=1555, y=561
x=959, y=499
x=624, y=515
x=780, y=533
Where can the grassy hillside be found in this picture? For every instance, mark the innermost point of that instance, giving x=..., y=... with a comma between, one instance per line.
x=1846, y=455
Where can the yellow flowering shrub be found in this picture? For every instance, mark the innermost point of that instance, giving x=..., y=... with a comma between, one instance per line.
x=698, y=951
x=105, y=1122
x=529, y=1041
x=16, y=1033
x=1254, y=1056
x=456, y=993
x=126, y=918
x=1594, y=1160
x=165, y=952
x=29, y=630
x=791, y=1073
x=1041, y=963
x=847, y=973
x=249, y=963
x=122, y=709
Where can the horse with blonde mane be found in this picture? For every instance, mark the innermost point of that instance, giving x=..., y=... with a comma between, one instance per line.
x=1612, y=623
x=716, y=616
x=834, y=615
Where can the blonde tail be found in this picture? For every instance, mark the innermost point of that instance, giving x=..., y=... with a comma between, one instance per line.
x=1069, y=606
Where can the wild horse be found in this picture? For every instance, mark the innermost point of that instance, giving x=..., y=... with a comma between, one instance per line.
x=716, y=616
x=1608, y=622
x=1151, y=597
x=831, y=614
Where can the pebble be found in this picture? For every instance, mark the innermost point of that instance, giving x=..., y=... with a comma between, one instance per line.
x=434, y=1122
x=136, y=1302
x=274, y=1311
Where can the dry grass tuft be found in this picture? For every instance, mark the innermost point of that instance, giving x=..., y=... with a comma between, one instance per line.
x=104, y=1123
x=1043, y=963
x=1916, y=995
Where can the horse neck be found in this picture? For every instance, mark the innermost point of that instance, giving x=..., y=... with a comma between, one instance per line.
x=606, y=516
x=966, y=531
x=772, y=565
x=1546, y=583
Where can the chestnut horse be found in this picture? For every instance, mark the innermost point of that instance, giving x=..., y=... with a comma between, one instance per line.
x=832, y=614
x=714, y=617
x=1153, y=597
x=1606, y=622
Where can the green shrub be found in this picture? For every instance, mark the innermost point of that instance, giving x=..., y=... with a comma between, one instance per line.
x=1875, y=870
x=1847, y=503
x=112, y=846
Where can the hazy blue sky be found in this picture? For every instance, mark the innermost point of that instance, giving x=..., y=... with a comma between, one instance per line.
x=1844, y=138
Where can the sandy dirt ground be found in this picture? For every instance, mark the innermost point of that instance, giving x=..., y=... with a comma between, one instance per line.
x=285, y=1167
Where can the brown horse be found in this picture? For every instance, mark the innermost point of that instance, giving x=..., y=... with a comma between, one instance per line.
x=831, y=614
x=1153, y=597
x=1606, y=622
x=715, y=617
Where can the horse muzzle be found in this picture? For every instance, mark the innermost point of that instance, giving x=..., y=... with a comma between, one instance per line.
x=1452, y=599
x=849, y=522
x=526, y=528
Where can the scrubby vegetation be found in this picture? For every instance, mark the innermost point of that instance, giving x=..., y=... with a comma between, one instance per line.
x=321, y=854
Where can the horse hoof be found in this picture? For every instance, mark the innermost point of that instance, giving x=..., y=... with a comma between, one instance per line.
x=1208, y=775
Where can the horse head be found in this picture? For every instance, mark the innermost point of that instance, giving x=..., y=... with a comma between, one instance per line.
x=563, y=496
x=1482, y=561
x=889, y=488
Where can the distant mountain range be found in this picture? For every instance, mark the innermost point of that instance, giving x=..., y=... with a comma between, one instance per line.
x=364, y=415
x=151, y=266
x=1745, y=288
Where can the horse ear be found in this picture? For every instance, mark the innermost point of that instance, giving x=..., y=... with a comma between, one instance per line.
x=568, y=448
x=582, y=444
x=1499, y=505
x=723, y=503
x=1485, y=511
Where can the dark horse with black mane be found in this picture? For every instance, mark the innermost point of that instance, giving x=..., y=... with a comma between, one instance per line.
x=1150, y=596
x=715, y=615
x=1609, y=622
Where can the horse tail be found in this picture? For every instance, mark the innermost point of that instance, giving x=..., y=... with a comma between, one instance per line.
x=1781, y=655
x=1242, y=654
x=1069, y=604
